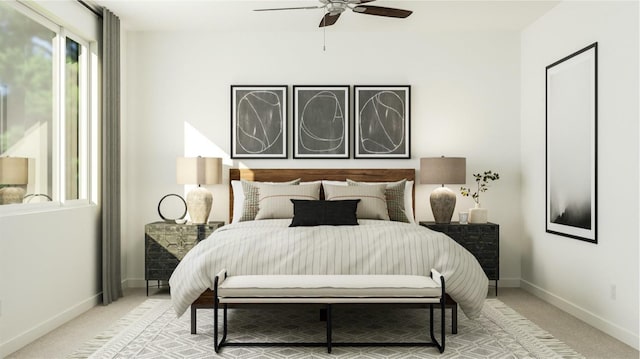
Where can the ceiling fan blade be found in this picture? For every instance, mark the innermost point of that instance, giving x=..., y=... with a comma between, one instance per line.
x=382, y=11
x=291, y=8
x=329, y=19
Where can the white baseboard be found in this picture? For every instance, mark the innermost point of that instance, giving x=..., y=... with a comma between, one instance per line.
x=507, y=283
x=592, y=319
x=45, y=327
x=136, y=283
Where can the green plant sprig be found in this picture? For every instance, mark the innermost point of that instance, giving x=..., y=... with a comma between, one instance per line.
x=482, y=181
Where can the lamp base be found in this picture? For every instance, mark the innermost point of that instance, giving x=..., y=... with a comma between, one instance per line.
x=9, y=195
x=443, y=202
x=199, y=201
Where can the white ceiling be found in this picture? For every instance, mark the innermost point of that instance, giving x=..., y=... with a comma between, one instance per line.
x=237, y=15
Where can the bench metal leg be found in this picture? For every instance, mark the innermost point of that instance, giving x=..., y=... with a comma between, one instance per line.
x=193, y=319
x=433, y=337
x=442, y=318
x=216, y=304
x=224, y=324
x=216, y=345
x=329, y=328
x=454, y=319
x=439, y=345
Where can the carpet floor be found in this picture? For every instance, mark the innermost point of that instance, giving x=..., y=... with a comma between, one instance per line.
x=152, y=331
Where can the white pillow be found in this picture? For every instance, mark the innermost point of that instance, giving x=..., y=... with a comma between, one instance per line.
x=238, y=200
x=334, y=183
x=372, y=205
x=408, y=202
x=275, y=201
x=312, y=182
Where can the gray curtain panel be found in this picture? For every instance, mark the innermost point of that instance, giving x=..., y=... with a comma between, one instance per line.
x=110, y=196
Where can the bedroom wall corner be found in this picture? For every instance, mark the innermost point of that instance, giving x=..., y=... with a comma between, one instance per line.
x=574, y=275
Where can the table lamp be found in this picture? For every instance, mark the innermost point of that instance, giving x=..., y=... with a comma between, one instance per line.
x=14, y=172
x=443, y=170
x=199, y=170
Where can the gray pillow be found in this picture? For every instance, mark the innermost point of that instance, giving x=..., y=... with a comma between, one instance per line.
x=252, y=196
x=394, y=194
x=275, y=200
x=373, y=204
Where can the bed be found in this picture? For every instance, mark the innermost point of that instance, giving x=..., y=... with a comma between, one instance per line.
x=270, y=246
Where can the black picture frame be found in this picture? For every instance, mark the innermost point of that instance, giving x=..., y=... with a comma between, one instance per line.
x=321, y=121
x=259, y=121
x=382, y=127
x=571, y=140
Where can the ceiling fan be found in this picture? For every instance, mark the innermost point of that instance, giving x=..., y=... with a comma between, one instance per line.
x=334, y=8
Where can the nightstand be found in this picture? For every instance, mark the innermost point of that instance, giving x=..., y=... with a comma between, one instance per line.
x=166, y=243
x=482, y=240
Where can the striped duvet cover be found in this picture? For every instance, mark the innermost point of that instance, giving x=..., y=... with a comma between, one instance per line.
x=373, y=247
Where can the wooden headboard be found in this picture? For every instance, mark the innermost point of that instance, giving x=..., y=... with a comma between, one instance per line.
x=332, y=174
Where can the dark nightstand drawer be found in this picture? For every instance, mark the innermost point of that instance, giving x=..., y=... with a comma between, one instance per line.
x=482, y=240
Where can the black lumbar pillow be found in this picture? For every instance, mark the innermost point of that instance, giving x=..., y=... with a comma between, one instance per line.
x=329, y=213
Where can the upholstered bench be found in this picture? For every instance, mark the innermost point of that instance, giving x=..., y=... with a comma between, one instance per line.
x=329, y=290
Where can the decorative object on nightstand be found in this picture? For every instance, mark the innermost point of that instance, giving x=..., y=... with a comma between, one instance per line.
x=14, y=174
x=169, y=207
x=479, y=214
x=482, y=240
x=167, y=243
x=199, y=170
x=443, y=170
x=463, y=217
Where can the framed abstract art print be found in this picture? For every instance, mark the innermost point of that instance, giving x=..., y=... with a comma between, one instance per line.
x=382, y=122
x=258, y=121
x=321, y=122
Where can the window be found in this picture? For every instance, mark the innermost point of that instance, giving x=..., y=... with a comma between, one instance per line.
x=44, y=109
x=72, y=118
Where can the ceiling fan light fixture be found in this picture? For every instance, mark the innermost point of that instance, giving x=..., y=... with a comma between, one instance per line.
x=335, y=8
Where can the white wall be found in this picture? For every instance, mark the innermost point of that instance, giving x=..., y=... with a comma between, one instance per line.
x=49, y=271
x=577, y=276
x=465, y=102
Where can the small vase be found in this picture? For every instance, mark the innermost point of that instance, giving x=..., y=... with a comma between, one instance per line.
x=478, y=214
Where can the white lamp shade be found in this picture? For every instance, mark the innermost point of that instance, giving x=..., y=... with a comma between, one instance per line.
x=14, y=170
x=443, y=170
x=199, y=170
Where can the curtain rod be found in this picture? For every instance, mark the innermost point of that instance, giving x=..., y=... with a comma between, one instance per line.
x=91, y=7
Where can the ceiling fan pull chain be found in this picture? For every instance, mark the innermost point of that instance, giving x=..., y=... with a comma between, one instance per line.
x=324, y=39
x=324, y=32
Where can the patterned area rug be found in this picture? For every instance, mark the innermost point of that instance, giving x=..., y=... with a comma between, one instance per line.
x=152, y=331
